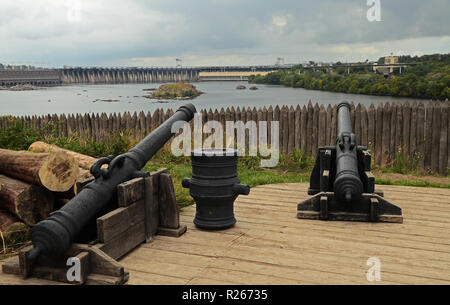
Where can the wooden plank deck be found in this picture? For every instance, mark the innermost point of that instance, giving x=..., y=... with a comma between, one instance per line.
x=269, y=245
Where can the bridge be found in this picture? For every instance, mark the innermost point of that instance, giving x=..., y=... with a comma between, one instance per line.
x=229, y=76
x=383, y=68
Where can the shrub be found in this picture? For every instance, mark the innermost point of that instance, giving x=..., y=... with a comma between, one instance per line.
x=18, y=137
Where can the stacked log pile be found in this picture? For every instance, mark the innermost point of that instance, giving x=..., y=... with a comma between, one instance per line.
x=35, y=183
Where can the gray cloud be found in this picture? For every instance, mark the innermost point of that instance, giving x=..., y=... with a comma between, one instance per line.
x=138, y=32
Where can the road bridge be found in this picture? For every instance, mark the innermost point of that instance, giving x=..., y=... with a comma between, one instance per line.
x=375, y=67
x=229, y=75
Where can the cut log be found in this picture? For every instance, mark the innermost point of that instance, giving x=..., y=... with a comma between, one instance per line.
x=84, y=161
x=56, y=171
x=28, y=202
x=83, y=175
x=12, y=230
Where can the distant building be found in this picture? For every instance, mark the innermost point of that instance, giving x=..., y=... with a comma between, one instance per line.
x=388, y=70
x=389, y=60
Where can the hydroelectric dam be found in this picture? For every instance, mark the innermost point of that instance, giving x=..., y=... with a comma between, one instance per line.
x=98, y=75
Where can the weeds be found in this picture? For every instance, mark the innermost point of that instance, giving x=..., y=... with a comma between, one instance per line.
x=402, y=165
x=405, y=165
x=18, y=137
x=116, y=144
x=13, y=238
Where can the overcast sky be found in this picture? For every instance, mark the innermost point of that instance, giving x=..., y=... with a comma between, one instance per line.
x=216, y=32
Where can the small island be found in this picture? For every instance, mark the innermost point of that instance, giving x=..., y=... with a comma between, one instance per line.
x=177, y=91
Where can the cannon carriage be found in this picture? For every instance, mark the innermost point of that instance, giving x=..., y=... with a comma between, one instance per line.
x=342, y=184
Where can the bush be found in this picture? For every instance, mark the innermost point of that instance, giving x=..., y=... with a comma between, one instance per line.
x=18, y=137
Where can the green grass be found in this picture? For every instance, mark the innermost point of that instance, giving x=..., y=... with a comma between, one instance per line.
x=402, y=165
x=402, y=182
x=408, y=165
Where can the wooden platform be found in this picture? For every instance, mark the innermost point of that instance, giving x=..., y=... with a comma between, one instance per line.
x=269, y=245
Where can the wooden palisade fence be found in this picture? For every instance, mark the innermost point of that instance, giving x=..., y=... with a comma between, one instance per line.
x=418, y=130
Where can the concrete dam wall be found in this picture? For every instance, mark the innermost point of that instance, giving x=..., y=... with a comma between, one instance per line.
x=119, y=76
x=34, y=77
x=97, y=75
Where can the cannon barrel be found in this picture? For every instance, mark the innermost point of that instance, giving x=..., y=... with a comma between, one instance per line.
x=347, y=185
x=54, y=235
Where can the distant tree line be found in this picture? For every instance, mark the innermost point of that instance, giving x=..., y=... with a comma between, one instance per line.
x=15, y=67
x=428, y=78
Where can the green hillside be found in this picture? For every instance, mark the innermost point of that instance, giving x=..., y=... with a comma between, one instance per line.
x=429, y=78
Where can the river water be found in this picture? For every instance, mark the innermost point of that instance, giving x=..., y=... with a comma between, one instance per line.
x=80, y=98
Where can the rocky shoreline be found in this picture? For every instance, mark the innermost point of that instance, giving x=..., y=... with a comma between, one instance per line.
x=25, y=87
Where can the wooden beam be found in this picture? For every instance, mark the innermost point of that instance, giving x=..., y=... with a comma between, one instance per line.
x=118, y=221
x=125, y=242
x=168, y=208
x=130, y=192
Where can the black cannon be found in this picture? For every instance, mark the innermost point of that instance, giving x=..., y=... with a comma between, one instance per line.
x=342, y=184
x=215, y=186
x=54, y=235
